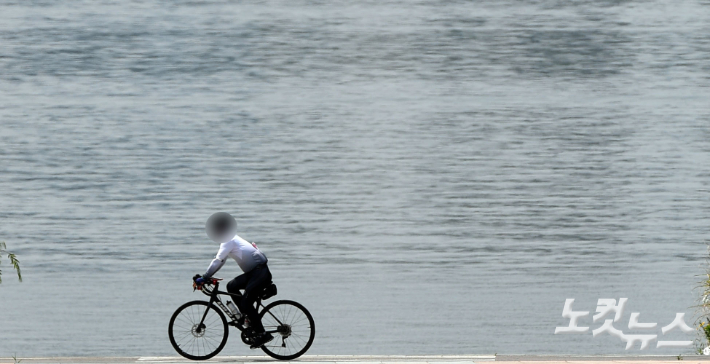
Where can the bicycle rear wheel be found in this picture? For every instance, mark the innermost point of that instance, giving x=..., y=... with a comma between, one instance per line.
x=195, y=341
x=292, y=326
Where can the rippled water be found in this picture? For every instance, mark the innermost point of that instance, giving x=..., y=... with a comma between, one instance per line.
x=425, y=176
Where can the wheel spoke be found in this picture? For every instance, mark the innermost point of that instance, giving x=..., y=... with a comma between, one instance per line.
x=184, y=320
x=299, y=320
x=216, y=319
x=298, y=338
x=184, y=341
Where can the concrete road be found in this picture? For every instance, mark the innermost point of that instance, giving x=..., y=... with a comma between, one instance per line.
x=378, y=359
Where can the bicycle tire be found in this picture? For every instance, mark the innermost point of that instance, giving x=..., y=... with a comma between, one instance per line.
x=286, y=315
x=193, y=318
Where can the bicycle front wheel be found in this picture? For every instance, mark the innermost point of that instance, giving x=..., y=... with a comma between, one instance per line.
x=195, y=340
x=293, y=329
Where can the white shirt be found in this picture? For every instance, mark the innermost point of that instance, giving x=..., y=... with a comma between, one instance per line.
x=246, y=254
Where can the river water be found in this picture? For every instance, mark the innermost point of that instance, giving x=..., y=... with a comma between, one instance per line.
x=427, y=177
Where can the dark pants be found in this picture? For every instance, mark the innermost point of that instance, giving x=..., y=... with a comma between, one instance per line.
x=253, y=283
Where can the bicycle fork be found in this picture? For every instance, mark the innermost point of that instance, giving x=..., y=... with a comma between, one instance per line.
x=213, y=300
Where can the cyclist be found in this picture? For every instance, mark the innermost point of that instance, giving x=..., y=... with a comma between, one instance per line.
x=221, y=227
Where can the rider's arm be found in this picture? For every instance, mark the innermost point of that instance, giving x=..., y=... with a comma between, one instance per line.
x=218, y=261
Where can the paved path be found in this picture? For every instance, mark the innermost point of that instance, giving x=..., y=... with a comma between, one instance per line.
x=262, y=359
x=379, y=359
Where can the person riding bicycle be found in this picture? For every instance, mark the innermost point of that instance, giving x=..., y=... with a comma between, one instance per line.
x=221, y=227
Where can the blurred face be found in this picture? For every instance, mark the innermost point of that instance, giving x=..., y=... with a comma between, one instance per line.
x=221, y=227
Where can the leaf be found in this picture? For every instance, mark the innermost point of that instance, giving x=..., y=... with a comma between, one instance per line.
x=16, y=264
x=13, y=260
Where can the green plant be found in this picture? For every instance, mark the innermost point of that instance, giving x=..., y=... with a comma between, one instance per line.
x=679, y=357
x=13, y=260
x=703, y=310
x=17, y=361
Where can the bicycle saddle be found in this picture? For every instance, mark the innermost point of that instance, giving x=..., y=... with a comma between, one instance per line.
x=269, y=291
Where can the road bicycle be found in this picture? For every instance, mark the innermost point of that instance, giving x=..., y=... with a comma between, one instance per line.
x=199, y=330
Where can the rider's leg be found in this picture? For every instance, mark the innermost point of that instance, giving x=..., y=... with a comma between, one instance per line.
x=235, y=285
x=258, y=280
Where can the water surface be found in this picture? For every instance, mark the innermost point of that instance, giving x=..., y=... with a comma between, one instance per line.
x=427, y=177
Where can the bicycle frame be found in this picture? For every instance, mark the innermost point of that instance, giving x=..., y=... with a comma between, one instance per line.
x=214, y=293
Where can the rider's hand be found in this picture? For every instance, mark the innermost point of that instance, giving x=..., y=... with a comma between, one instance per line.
x=200, y=280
